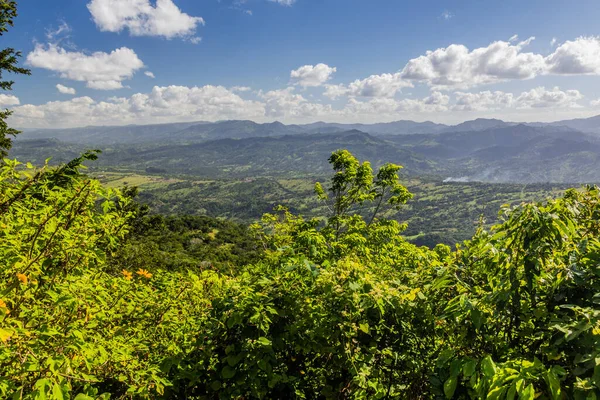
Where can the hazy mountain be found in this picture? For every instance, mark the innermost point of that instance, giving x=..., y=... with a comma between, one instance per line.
x=108, y=134
x=193, y=132
x=299, y=154
x=483, y=149
x=389, y=128
x=518, y=153
x=591, y=125
x=478, y=124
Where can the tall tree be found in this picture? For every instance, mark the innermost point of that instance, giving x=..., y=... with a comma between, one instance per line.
x=8, y=63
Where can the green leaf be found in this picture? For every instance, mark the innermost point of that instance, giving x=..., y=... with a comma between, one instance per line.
x=488, y=367
x=364, y=327
x=57, y=393
x=228, y=372
x=469, y=368
x=82, y=396
x=554, y=384
x=512, y=392
x=528, y=393
x=4, y=335
x=477, y=318
x=450, y=386
x=264, y=341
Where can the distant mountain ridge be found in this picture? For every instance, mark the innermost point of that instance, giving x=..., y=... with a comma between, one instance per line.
x=487, y=150
x=192, y=132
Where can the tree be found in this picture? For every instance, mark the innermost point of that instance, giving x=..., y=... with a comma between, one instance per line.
x=8, y=63
x=353, y=184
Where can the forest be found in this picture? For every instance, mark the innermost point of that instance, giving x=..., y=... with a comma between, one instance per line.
x=103, y=297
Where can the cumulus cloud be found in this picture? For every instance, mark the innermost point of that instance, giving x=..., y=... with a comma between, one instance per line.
x=7, y=100
x=162, y=104
x=457, y=67
x=149, y=74
x=576, y=57
x=99, y=70
x=312, y=75
x=481, y=101
x=141, y=18
x=539, y=97
x=436, y=102
x=595, y=103
x=64, y=89
x=335, y=91
x=284, y=103
x=384, y=85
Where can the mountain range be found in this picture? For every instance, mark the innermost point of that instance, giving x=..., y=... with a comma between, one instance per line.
x=189, y=132
x=486, y=150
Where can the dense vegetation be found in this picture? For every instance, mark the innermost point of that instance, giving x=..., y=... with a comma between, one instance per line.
x=336, y=308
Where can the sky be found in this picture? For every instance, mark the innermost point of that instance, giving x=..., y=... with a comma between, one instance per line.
x=117, y=62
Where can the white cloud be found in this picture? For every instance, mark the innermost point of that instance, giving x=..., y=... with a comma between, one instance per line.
x=240, y=89
x=540, y=98
x=388, y=107
x=384, y=85
x=285, y=103
x=483, y=101
x=446, y=15
x=457, y=67
x=212, y=103
x=576, y=57
x=7, y=100
x=162, y=104
x=99, y=70
x=63, y=30
x=283, y=2
x=312, y=75
x=335, y=91
x=141, y=18
x=149, y=74
x=553, y=41
x=64, y=89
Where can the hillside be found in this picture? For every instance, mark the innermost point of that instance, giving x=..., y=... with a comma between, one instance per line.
x=480, y=150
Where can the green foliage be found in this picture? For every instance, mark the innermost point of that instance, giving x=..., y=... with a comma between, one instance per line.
x=526, y=295
x=353, y=184
x=69, y=324
x=185, y=243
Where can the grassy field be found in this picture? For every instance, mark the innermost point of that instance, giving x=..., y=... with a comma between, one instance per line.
x=439, y=212
x=120, y=179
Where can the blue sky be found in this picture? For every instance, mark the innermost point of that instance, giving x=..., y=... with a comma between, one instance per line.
x=107, y=62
